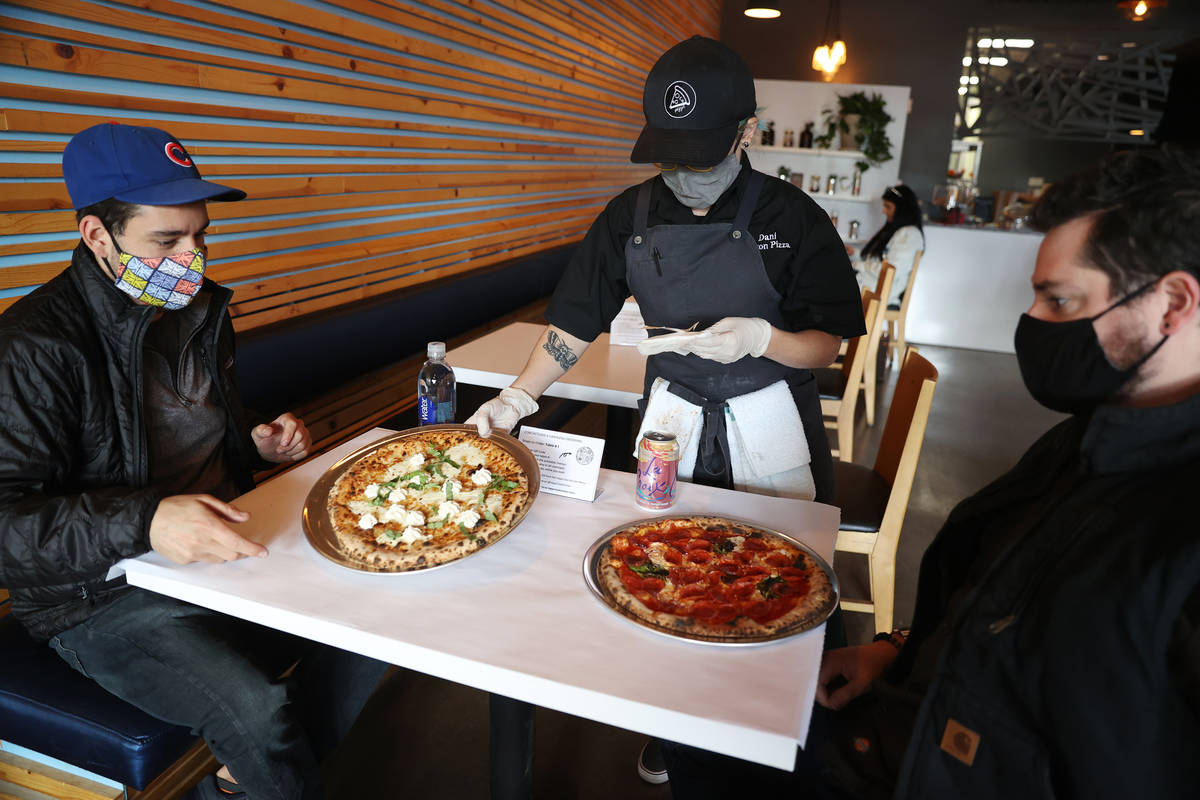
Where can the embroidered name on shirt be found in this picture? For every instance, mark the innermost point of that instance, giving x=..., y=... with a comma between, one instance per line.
x=770, y=241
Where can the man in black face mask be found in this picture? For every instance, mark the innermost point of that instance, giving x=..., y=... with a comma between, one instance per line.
x=1055, y=644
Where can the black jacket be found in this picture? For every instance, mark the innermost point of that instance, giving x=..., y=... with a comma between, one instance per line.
x=75, y=496
x=1074, y=657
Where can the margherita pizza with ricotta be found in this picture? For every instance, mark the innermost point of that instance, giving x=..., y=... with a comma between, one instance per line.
x=714, y=579
x=426, y=499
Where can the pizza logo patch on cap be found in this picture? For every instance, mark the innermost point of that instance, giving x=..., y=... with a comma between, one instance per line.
x=680, y=99
x=177, y=154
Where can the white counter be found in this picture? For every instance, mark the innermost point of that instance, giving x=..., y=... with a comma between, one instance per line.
x=972, y=286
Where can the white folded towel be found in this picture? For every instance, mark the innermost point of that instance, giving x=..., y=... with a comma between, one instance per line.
x=767, y=445
x=670, y=413
x=768, y=450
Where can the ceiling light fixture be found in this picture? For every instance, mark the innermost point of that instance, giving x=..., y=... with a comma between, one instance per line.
x=831, y=53
x=762, y=10
x=1138, y=10
x=1020, y=43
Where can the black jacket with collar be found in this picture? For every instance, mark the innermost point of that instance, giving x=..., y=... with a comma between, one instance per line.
x=1074, y=659
x=75, y=494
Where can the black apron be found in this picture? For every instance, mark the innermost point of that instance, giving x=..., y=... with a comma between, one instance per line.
x=685, y=274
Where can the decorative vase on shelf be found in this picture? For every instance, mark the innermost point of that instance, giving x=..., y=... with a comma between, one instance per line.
x=806, y=135
x=849, y=138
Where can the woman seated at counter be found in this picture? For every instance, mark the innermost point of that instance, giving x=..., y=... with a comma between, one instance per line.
x=896, y=243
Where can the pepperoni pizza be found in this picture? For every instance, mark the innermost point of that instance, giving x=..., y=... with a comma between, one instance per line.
x=714, y=579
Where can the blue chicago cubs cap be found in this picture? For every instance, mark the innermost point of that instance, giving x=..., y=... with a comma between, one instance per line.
x=135, y=164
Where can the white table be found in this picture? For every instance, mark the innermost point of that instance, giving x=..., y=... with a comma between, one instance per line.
x=606, y=373
x=517, y=619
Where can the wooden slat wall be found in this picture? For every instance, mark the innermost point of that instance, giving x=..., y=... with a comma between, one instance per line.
x=382, y=143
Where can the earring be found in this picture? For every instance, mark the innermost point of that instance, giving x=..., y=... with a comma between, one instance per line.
x=745, y=145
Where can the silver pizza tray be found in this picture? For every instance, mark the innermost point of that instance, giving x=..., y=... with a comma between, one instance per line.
x=591, y=574
x=319, y=530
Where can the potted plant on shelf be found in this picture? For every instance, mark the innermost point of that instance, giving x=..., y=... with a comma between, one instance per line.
x=862, y=122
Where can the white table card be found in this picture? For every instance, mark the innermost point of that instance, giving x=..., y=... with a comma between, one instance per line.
x=570, y=464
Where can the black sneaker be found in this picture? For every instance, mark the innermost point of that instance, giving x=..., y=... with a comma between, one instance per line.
x=651, y=767
x=211, y=787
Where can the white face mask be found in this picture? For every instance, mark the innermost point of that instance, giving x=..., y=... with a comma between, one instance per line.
x=702, y=189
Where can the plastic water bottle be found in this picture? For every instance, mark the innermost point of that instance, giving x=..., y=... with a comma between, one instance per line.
x=435, y=387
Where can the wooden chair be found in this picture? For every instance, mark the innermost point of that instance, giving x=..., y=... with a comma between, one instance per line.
x=883, y=290
x=874, y=500
x=840, y=386
x=895, y=317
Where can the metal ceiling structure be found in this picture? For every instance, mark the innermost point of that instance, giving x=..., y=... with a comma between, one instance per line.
x=1082, y=87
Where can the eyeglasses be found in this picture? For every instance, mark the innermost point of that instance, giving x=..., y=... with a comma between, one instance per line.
x=672, y=167
x=668, y=167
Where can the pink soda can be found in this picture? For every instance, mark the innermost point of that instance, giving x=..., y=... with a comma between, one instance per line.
x=658, y=465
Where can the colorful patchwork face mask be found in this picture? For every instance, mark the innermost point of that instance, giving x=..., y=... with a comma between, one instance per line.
x=170, y=282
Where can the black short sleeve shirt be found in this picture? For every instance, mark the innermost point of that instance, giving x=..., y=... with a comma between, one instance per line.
x=804, y=257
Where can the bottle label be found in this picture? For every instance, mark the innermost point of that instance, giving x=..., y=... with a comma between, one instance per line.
x=427, y=410
x=445, y=412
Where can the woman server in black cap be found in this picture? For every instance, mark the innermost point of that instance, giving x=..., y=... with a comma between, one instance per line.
x=749, y=260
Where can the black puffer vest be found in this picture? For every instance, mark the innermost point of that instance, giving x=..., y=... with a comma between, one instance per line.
x=75, y=496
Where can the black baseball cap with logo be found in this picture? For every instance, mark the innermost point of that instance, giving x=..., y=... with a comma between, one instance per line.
x=695, y=96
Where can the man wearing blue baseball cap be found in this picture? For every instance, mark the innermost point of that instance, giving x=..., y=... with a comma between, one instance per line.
x=124, y=433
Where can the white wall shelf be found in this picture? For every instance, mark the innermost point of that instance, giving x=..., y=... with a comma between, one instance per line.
x=848, y=198
x=792, y=105
x=809, y=151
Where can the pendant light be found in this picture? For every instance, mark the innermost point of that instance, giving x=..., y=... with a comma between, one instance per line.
x=1138, y=10
x=762, y=9
x=831, y=53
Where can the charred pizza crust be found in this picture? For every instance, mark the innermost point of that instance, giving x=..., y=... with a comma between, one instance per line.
x=761, y=584
x=425, y=500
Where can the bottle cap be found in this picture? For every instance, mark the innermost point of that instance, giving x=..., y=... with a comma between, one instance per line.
x=436, y=350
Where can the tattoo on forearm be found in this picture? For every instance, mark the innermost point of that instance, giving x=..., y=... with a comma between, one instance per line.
x=559, y=351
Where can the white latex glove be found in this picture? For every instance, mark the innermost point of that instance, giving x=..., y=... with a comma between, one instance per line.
x=503, y=412
x=732, y=338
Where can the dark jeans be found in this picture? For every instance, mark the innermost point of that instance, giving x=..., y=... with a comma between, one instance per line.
x=221, y=677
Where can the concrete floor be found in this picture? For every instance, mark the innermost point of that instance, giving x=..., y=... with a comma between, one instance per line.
x=425, y=738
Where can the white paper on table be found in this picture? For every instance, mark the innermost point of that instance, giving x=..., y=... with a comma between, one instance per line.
x=518, y=619
x=569, y=464
x=628, y=327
